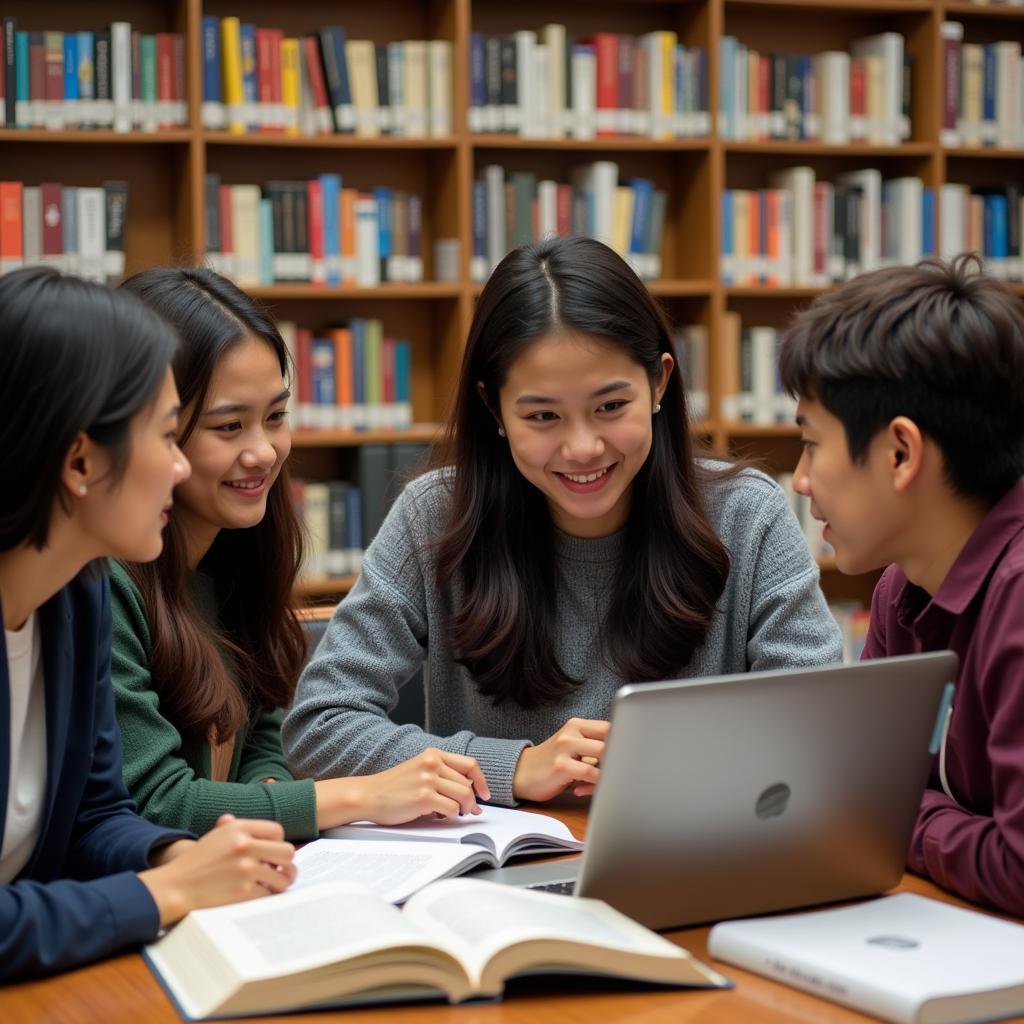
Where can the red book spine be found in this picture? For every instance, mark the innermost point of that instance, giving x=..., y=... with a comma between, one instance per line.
x=178, y=46
x=858, y=100
x=53, y=230
x=53, y=85
x=227, y=239
x=764, y=96
x=606, y=49
x=12, y=249
x=315, y=206
x=315, y=72
x=754, y=246
x=165, y=79
x=276, y=95
x=625, y=104
x=950, y=83
x=771, y=206
x=563, y=211
x=264, y=69
x=37, y=76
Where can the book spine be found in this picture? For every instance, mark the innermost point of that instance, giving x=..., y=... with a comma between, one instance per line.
x=92, y=233
x=53, y=86
x=212, y=114
x=72, y=112
x=332, y=45
x=116, y=208
x=10, y=26
x=12, y=250
x=952, y=34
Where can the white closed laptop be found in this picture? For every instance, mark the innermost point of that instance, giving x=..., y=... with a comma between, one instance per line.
x=739, y=795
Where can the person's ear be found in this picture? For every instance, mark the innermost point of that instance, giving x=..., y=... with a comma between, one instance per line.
x=482, y=392
x=78, y=471
x=667, y=363
x=904, y=451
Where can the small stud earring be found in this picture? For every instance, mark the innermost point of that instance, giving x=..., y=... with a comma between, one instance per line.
x=656, y=409
x=501, y=431
x=83, y=490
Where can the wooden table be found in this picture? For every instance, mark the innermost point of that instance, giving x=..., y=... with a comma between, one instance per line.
x=123, y=991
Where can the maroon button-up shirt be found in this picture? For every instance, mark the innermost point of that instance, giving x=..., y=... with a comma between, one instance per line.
x=971, y=840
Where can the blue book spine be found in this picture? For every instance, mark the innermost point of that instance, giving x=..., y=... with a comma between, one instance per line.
x=250, y=83
x=385, y=226
x=997, y=241
x=354, y=519
x=211, y=60
x=21, y=74
x=727, y=269
x=703, y=103
x=330, y=192
x=358, y=328
x=988, y=101
x=403, y=371
x=86, y=78
x=643, y=193
x=71, y=78
x=323, y=378
x=477, y=80
x=726, y=77
x=808, y=90
x=332, y=47
x=266, y=240
x=479, y=220
x=928, y=222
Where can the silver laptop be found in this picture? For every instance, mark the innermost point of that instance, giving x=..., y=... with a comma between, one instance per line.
x=741, y=795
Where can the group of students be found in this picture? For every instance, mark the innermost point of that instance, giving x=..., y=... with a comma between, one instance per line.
x=569, y=538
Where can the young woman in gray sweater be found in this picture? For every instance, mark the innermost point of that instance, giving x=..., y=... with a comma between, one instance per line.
x=568, y=541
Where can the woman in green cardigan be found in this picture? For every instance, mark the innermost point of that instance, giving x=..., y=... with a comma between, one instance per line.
x=207, y=650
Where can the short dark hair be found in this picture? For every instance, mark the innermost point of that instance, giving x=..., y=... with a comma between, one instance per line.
x=939, y=343
x=75, y=358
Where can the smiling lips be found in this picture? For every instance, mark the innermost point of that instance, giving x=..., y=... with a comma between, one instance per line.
x=586, y=483
x=247, y=487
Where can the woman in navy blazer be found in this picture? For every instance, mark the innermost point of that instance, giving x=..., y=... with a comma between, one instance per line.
x=88, y=460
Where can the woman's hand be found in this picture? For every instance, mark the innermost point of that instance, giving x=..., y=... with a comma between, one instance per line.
x=238, y=860
x=568, y=758
x=434, y=782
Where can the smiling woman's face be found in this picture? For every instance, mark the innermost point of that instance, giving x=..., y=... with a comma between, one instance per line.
x=577, y=413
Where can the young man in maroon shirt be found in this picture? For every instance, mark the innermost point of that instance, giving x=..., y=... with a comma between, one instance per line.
x=910, y=383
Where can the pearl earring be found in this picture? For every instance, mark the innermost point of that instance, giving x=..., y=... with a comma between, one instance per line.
x=83, y=490
x=657, y=408
x=501, y=431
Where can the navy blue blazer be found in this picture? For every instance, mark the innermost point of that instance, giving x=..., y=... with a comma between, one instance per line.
x=79, y=897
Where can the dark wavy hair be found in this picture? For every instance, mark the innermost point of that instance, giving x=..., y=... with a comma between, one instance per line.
x=940, y=343
x=75, y=358
x=500, y=540
x=210, y=681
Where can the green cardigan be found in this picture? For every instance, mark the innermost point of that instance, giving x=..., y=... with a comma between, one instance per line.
x=168, y=776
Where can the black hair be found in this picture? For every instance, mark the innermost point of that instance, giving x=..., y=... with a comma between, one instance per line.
x=209, y=679
x=75, y=357
x=939, y=343
x=500, y=540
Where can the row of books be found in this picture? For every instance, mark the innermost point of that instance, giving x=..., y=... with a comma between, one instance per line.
x=74, y=229
x=513, y=209
x=260, y=80
x=834, y=97
x=806, y=232
x=989, y=222
x=752, y=391
x=547, y=85
x=313, y=231
x=350, y=376
x=982, y=91
x=341, y=517
x=117, y=78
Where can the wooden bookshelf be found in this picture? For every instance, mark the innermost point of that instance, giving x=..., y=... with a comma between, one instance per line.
x=165, y=170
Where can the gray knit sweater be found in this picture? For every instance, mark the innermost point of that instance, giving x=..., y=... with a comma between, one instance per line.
x=772, y=615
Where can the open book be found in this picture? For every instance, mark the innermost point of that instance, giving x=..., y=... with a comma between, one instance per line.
x=501, y=831
x=340, y=944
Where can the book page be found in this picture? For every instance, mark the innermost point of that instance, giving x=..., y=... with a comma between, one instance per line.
x=495, y=829
x=392, y=870
x=305, y=928
x=477, y=919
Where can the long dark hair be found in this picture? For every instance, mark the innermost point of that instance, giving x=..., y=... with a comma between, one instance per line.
x=253, y=569
x=74, y=357
x=500, y=540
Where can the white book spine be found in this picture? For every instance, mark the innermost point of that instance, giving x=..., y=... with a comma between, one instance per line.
x=121, y=74
x=555, y=41
x=525, y=43
x=367, y=244
x=439, y=57
x=584, y=87
x=494, y=178
x=547, y=203
x=833, y=68
x=606, y=180
x=92, y=233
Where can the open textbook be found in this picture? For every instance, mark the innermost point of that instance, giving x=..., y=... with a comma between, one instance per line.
x=504, y=833
x=340, y=944
x=904, y=958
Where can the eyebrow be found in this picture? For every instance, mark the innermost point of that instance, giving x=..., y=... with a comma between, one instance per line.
x=172, y=412
x=228, y=407
x=617, y=385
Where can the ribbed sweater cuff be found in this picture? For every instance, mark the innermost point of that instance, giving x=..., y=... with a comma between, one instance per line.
x=294, y=806
x=498, y=760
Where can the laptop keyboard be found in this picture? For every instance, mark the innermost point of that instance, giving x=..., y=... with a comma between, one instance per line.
x=561, y=888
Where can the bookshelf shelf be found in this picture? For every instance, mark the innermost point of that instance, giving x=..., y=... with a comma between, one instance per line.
x=983, y=153
x=783, y=147
x=671, y=289
x=134, y=138
x=426, y=290
x=789, y=294
x=383, y=142
x=622, y=143
x=420, y=433
x=988, y=11
x=330, y=587
x=856, y=6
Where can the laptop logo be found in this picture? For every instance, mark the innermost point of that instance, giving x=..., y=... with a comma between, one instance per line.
x=772, y=802
x=893, y=942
